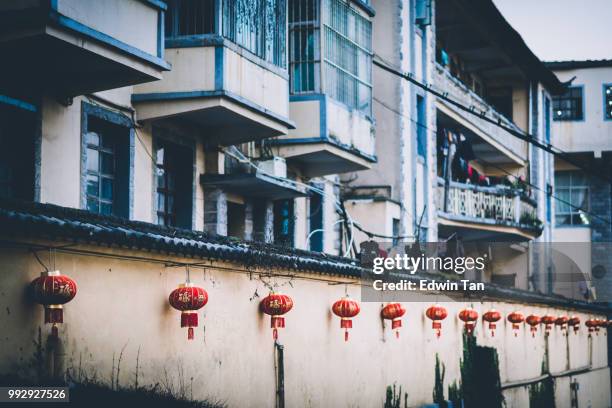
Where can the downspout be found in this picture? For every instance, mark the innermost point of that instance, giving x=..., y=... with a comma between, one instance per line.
x=279, y=368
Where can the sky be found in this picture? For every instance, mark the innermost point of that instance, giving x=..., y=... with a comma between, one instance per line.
x=562, y=29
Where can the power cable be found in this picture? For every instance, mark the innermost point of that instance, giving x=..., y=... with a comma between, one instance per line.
x=524, y=136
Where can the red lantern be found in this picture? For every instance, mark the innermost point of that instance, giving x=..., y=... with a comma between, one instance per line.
x=516, y=318
x=436, y=313
x=562, y=323
x=468, y=316
x=548, y=321
x=52, y=290
x=394, y=312
x=346, y=308
x=592, y=324
x=533, y=321
x=188, y=299
x=492, y=316
x=601, y=323
x=574, y=321
x=276, y=305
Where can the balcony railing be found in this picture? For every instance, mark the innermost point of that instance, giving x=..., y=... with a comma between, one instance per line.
x=460, y=92
x=490, y=205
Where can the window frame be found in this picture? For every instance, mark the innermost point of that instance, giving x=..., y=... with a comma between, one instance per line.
x=90, y=110
x=606, y=118
x=573, y=208
x=582, y=105
x=164, y=136
x=32, y=114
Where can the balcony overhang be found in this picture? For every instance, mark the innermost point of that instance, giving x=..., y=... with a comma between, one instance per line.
x=321, y=156
x=486, y=146
x=227, y=118
x=482, y=229
x=46, y=51
x=257, y=185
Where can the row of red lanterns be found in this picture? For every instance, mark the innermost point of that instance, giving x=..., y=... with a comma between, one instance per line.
x=53, y=290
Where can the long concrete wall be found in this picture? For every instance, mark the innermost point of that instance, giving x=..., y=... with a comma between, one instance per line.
x=121, y=310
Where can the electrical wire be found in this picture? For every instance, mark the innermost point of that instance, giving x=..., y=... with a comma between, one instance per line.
x=524, y=136
x=502, y=169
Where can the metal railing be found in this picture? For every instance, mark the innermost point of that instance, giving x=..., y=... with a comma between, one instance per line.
x=258, y=26
x=499, y=204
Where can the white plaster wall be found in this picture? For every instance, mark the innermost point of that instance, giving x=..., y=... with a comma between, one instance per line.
x=374, y=216
x=116, y=18
x=193, y=69
x=307, y=117
x=593, y=134
x=256, y=83
x=122, y=305
x=60, y=153
x=350, y=127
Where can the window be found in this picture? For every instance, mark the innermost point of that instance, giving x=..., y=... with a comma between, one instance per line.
x=421, y=126
x=17, y=129
x=189, y=17
x=304, y=57
x=348, y=56
x=174, y=184
x=256, y=25
x=608, y=101
x=283, y=223
x=569, y=105
x=316, y=223
x=107, y=164
x=236, y=214
x=422, y=12
x=573, y=192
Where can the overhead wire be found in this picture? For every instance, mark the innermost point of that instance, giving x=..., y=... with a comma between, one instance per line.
x=525, y=136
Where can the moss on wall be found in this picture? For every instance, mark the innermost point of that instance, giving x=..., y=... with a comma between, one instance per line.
x=480, y=381
x=393, y=397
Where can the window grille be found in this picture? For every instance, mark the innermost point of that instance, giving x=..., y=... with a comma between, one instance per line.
x=569, y=105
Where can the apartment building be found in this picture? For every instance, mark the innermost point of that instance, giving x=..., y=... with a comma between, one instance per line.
x=582, y=129
x=147, y=144
x=465, y=172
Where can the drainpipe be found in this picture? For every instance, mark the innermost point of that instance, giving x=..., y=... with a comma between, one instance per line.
x=279, y=367
x=448, y=158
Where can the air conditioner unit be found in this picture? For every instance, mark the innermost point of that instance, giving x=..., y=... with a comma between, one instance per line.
x=276, y=167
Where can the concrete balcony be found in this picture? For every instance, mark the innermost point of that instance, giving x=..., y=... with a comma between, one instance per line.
x=494, y=211
x=492, y=143
x=330, y=138
x=73, y=47
x=221, y=88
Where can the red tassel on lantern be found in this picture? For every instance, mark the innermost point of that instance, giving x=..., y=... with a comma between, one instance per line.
x=574, y=321
x=533, y=321
x=562, y=323
x=188, y=299
x=516, y=318
x=436, y=313
x=276, y=305
x=548, y=321
x=52, y=290
x=394, y=312
x=592, y=324
x=469, y=317
x=346, y=308
x=492, y=316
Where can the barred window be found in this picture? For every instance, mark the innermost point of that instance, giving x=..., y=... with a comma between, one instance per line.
x=348, y=55
x=572, y=188
x=569, y=105
x=256, y=25
x=304, y=49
